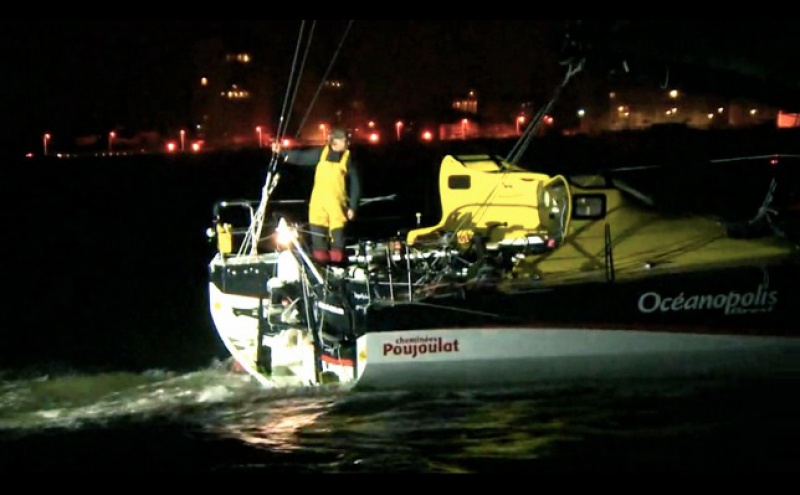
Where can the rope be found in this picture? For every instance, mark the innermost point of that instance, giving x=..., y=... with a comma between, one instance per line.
x=324, y=79
x=525, y=140
x=253, y=236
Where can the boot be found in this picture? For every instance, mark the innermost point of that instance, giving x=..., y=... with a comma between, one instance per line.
x=321, y=256
x=337, y=257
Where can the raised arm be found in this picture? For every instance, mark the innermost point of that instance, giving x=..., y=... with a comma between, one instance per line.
x=301, y=157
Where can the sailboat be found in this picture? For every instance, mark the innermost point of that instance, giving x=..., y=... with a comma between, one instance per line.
x=527, y=277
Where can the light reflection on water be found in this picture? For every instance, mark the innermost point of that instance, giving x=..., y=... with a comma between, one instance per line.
x=212, y=420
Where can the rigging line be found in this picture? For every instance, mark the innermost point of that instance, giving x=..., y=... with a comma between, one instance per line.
x=452, y=309
x=531, y=132
x=302, y=69
x=747, y=158
x=282, y=123
x=253, y=235
x=482, y=208
x=293, y=87
x=522, y=145
x=324, y=78
x=486, y=205
x=527, y=135
x=524, y=142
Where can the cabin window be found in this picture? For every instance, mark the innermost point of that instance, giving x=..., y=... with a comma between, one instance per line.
x=589, y=207
x=459, y=182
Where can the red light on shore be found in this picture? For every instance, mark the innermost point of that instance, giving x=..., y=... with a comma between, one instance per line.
x=374, y=138
x=172, y=147
x=427, y=136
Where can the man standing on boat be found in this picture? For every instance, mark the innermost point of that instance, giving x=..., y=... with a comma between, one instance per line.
x=335, y=196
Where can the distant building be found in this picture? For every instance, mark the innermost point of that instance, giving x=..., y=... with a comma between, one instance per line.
x=639, y=108
x=237, y=104
x=231, y=97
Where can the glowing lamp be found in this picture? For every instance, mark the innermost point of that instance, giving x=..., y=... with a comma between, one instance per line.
x=285, y=236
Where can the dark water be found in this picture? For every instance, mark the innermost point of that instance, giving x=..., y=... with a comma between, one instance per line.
x=211, y=421
x=110, y=362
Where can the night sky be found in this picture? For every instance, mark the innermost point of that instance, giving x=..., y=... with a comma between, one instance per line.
x=88, y=76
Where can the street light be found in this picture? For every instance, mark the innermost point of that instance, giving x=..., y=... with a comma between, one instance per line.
x=46, y=140
x=260, y=137
x=520, y=121
x=183, y=140
x=399, y=125
x=111, y=136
